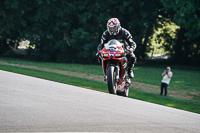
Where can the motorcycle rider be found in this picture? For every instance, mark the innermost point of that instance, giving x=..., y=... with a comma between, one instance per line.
x=115, y=31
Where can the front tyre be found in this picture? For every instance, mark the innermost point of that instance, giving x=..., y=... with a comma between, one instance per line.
x=111, y=78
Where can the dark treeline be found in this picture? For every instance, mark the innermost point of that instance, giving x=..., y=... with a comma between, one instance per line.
x=70, y=31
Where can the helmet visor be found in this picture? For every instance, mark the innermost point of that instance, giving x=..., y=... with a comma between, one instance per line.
x=112, y=30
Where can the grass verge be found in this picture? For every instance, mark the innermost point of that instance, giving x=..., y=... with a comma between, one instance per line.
x=183, y=80
x=188, y=105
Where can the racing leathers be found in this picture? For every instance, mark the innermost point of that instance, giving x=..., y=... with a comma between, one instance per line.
x=124, y=37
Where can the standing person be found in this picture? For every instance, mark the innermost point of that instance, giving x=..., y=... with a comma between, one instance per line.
x=167, y=75
x=115, y=31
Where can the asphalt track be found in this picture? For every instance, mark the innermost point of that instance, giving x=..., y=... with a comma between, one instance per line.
x=29, y=104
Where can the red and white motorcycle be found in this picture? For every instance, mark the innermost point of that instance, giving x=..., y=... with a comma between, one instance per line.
x=114, y=63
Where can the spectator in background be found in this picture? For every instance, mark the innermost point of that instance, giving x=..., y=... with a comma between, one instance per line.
x=167, y=75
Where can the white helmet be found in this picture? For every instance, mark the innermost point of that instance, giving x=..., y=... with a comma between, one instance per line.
x=113, y=26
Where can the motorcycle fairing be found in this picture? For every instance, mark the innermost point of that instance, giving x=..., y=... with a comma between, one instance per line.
x=112, y=54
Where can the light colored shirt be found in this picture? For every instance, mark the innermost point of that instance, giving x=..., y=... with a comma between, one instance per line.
x=166, y=79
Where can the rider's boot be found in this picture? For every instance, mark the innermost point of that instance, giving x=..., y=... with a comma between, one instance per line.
x=131, y=63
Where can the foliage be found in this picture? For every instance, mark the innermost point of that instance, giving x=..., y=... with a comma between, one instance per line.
x=70, y=31
x=186, y=14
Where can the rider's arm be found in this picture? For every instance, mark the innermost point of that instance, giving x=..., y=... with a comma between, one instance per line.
x=104, y=39
x=129, y=40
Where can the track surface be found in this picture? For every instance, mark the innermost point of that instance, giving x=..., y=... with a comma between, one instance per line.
x=30, y=104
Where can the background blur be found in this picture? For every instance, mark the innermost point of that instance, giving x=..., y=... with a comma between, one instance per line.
x=70, y=31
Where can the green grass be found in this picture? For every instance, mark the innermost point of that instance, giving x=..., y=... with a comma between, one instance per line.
x=88, y=69
x=184, y=80
x=193, y=106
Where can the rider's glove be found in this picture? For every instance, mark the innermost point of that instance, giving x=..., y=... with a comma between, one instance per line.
x=129, y=51
x=98, y=56
x=98, y=53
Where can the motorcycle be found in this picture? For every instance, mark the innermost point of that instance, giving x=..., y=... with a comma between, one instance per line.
x=114, y=64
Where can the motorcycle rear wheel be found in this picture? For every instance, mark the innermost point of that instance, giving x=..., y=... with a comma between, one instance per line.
x=111, y=80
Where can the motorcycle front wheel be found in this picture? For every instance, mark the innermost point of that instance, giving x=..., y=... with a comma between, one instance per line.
x=111, y=80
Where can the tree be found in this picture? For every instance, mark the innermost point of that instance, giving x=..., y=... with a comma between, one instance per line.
x=70, y=31
x=186, y=14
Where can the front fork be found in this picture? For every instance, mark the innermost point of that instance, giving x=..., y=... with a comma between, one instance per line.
x=117, y=74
